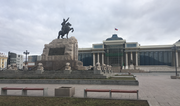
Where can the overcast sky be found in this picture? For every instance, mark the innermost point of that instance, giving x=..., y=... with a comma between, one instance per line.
x=29, y=24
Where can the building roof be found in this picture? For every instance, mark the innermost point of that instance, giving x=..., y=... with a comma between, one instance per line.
x=178, y=40
x=114, y=37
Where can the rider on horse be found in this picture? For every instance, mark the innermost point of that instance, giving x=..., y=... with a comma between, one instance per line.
x=64, y=24
x=65, y=28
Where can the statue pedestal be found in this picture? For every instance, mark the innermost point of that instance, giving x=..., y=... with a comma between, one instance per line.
x=60, y=51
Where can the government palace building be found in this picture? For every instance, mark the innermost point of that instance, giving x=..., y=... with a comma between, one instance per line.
x=116, y=51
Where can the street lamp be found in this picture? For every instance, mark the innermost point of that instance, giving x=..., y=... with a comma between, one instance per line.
x=175, y=48
x=26, y=53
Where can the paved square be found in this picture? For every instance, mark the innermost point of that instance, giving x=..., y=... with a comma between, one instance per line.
x=157, y=88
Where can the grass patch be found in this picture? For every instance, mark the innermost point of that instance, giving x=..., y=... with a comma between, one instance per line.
x=122, y=78
x=57, y=101
x=110, y=78
x=123, y=75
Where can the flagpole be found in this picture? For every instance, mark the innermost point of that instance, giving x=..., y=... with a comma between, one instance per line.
x=115, y=29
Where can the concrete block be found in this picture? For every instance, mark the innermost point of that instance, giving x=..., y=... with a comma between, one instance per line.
x=45, y=92
x=173, y=77
x=65, y=91
x=3, y=92
x=24, y=92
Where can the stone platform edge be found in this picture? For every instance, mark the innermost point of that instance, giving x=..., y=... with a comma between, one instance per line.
x=68, y=81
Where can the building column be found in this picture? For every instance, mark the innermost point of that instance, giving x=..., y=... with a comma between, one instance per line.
x=94, y=59
x=126, y=61
x=131, y=56
x=122, y=62
x=177, y=64
x=98, y=57
x=102, y=58
x=136, y=58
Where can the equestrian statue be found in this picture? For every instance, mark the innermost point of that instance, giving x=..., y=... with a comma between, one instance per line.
x=65, y=29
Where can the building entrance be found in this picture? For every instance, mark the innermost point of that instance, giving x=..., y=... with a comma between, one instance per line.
x=114, y=55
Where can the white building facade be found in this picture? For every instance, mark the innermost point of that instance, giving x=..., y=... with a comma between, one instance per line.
x=19, y=61
x=116, y=51
x=3, y=61
x=14, y=58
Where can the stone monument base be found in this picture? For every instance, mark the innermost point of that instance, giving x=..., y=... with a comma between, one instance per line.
x=60, y=65
x=59, y=52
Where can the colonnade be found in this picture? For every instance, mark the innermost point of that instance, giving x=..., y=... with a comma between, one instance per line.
x=94, y=58
x=131, y=58
x=128, y=57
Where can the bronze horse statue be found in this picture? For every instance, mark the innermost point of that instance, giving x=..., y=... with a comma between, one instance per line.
x=65, y=30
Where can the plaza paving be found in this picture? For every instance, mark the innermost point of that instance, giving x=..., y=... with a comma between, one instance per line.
x=157, y=88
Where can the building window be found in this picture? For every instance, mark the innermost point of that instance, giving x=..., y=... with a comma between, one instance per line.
x=131, y=45
x=86, y=58
x=155, y=58
x=98, y=46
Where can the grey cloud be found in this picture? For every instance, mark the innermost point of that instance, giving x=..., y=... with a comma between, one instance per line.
x=31, y=24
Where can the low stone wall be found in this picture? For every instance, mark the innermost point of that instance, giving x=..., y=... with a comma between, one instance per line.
x=77, y=74
x=68, y=81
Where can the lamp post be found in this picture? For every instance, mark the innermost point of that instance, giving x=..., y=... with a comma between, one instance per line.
x=26, y=53
x=175, y=48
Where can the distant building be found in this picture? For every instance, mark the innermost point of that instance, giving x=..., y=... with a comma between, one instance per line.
x=3, y=61
x=116, y=51
x=14, y=58
x=32, y=60
x=19, y=61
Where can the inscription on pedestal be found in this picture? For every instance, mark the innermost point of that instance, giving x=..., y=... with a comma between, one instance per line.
x=56, y=51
